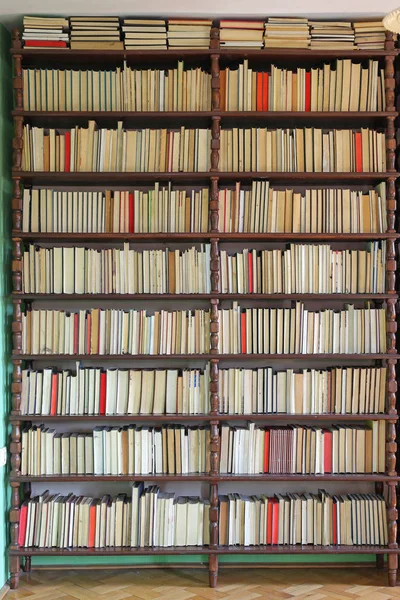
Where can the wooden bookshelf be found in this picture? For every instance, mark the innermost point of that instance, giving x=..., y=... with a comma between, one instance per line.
x=213, y=119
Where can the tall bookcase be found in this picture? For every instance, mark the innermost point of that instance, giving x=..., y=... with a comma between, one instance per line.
x=212, y=59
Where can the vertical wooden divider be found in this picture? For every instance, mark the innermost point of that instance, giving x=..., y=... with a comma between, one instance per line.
x=214, y=333
x=391, y=390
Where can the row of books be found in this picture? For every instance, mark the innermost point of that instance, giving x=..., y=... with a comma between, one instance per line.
x=105, y=33
x=117, y=271
x=116, y=150
x=309, y=150
x=113, y=33
x=179, y=450
x=294, y=330
x=301, y=331
x=304, y=269
x=306, y=450
x=114, y=211
x=310, y=391
x=92, y=391
x=116, y=451
x=318, y=519
x=150, y=517
x=342, y=86
x=264, y=209
x=261, y=209
x=146, y=517
x=300, y=268
x=110, y=331
x=122, y=89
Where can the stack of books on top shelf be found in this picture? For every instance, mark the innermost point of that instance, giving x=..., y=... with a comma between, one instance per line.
x=369, y=35
x=45, y=32
x=145, y=34
x=187, y=33
x=243, y=34
x=286, y=32
x=95, y=33
x=331, y=35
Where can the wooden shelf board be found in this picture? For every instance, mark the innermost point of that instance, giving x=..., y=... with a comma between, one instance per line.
x=96, y=178
x=205, y=357
x=193, y=550
x=269, y=53
x=192, y=237
x=206, y=418
x=177, y=297
x=263, y=477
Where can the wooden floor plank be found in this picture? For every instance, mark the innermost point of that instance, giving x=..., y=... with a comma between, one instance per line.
x=192, y=584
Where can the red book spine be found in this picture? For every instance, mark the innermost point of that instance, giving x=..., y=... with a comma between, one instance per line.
x=260, y=91
x=103, y=393
x=54, y=386
x=92, y=526
x=76, y=333
x=23, y=517
x=243, y=317
x=359, y=162
x=250, y=272
x=275, y=521
x=327, y=451
x=131, y=214
x=266, y=451
x=269, y=521
x=67, y=151
x=89, y=332
x=265, y=91
x=308, y=91
x=42, y=43
x=334, y=521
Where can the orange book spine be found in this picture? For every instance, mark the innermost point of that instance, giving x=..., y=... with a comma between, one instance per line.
x=92, y=526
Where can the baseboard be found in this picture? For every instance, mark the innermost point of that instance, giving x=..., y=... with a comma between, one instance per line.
x=4, y=590
x=336, y=565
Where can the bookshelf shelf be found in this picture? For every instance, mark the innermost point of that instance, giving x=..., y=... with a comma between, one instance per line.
x=205, y=357
x=177, y=297
x=212, y=60
x=96, y=178
x=265, y=477
x=199, y=237
x=289, y=549
x=293, y=418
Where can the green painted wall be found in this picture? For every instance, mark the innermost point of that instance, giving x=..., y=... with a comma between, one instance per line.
x=5, y=306
x=5, y=372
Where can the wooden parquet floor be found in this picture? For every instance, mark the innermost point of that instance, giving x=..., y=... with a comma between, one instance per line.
x=192, y=584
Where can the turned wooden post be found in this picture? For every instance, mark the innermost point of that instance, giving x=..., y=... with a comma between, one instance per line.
x=16, y=387
x=214, y=387
x=17, y=327
x=16, y=265
x=214, y=327
x=213, y=558
x=215, y=83
x=15, y=450
x=16, y=205
x=215, y=143
x=214, y=205
x=214, y=266
x=392, y=532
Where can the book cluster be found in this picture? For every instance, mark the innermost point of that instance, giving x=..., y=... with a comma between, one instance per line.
x=113, y=33
x=298, y=330
x=94, y=391
x=310, y=150
x=264, y=209
x=167, y=450
x=119, y=89
x=320, y=519
x=95, y=33
x=45, y=32
x=112, y=331
x=340, y=391
x=146, y=517
x=90, y=149
x=343, y=86
x=305, y=450
x=304, y=269
x=116, y=211
x=117, y=271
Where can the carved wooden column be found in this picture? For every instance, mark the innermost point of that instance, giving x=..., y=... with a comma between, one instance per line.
x=391, y=205
x=214, y=327
x=392, y=532
x=214, y=205
x=15, y=450
x=215, y=83
x=16, y=387
x=18, y=82
x=380, y=558
x=18, y=142
x=17, y=327
x=214, y=266
x=215, y=143
x=16, y=265
x=16, y=205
